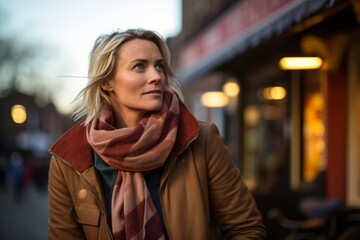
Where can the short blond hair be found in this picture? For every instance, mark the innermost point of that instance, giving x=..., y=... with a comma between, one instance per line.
x=102, y=65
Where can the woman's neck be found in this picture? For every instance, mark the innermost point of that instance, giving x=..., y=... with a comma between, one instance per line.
x=128, y=119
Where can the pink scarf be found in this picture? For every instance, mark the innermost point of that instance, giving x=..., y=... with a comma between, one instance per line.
x=132, y=151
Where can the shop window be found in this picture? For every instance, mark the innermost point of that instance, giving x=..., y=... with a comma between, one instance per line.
x=313, y=130
x=264, y=163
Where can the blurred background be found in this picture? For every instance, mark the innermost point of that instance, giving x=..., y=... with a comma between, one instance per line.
x=280, y=78
x=44, y=47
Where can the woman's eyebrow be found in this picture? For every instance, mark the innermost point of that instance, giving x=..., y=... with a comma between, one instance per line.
x=138, y=60
x=145, y=60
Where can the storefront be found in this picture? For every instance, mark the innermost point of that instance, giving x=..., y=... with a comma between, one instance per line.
x=289, y=130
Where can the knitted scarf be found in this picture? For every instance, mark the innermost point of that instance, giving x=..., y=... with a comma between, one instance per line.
x=133, y=151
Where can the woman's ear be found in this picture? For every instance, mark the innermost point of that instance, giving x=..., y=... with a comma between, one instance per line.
x=106, y=86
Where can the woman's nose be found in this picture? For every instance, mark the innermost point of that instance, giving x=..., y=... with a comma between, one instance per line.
x=155, y=76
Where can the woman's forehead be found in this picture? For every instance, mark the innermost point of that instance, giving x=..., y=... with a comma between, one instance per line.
x=139, y=48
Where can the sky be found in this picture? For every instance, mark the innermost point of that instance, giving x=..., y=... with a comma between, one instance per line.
x=71, y=27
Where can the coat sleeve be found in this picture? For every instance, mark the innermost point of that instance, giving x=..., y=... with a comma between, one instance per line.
x=62, y=224
x=232, y=204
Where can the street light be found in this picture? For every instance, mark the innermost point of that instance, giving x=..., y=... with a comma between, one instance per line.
x=214, y=99
x=300, y=63
x=274, y=93
x=231, y=88
x=18, y=113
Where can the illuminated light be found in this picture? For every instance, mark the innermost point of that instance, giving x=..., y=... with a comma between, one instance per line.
x=319, y=146
x=18, y=113
x=300, y=63
x=251, y=115
x=277, y=93
x=274, y=93
x=266, y=93
x=214, y=99
x=231, y=88
x=318, y=128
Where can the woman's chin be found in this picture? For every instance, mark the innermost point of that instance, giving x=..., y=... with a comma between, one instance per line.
x=152, y=108
x=155, y=106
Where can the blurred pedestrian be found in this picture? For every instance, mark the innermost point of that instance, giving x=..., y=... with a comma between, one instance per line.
x=139, y=165
x=16, y=171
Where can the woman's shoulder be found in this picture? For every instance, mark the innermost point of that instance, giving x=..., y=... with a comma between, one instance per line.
x=207, y=128
x=73, y=147
x=76, y=132
x=209, y=132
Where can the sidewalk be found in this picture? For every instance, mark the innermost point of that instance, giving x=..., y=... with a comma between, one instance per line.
x=24, y=218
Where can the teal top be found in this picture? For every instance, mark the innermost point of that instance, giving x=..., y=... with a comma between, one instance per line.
x=108, y=177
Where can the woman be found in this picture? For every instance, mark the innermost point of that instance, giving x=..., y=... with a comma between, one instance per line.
x=139, y=165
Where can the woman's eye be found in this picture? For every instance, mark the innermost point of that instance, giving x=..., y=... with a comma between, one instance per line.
x=160, y=67
x=139, y=67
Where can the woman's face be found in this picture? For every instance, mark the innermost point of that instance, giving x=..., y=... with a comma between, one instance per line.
x=139, y=82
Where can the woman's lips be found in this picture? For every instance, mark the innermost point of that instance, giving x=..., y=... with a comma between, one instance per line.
x=154, y=92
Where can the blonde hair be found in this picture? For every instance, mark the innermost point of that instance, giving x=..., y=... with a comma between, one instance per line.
x=102, y=65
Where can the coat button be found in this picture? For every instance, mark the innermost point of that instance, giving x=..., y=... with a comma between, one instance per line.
x=82, y=193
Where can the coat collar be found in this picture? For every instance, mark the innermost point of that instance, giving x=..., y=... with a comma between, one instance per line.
x=74, y=148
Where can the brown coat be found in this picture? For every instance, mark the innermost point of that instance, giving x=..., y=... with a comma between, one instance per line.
x=201, y=189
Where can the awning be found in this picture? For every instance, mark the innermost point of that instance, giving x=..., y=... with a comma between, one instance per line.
x=244, y=25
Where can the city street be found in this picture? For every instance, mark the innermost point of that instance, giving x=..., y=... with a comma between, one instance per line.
x=24, y=217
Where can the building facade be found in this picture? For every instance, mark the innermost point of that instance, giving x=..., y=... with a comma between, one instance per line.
x=27, y=130
x=293, y=133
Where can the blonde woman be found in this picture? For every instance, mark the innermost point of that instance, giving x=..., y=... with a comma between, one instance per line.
x=138, y=164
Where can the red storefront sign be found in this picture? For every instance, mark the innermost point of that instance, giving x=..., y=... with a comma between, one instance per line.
x=238, y=22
